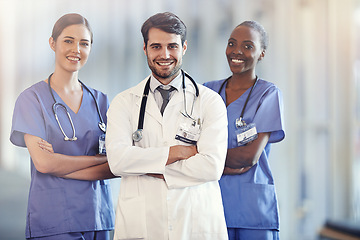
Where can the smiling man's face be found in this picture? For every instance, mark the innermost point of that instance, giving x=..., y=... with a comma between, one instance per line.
x=164, y=53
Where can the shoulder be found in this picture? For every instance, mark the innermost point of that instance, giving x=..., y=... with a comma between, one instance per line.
x=266, y=85
x=210, y=98
x=97, y=93
x=204, y=90
x=268, y=95
x=264, y=88
x=127, y=96
x=136, y=90
x=33, y=92
x=37, y=87
x=214, y=85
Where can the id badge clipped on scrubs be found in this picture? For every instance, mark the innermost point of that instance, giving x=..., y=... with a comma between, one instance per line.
x=102, y=149
x=245, y=133
x=189, y=131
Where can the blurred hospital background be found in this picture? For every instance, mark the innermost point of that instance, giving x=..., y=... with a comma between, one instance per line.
x=313, y=57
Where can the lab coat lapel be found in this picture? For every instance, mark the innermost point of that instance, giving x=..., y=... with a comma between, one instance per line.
x=151, y=107
x=178, y=97
x=153, y=110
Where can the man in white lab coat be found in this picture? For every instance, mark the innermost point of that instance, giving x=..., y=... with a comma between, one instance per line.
x=170, y=160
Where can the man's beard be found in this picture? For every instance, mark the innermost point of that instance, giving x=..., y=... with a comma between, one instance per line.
x=165, y=75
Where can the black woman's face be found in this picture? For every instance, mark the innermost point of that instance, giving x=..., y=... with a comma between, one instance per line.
x=244, y=49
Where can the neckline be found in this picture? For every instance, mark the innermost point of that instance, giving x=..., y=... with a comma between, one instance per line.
x=56, y=96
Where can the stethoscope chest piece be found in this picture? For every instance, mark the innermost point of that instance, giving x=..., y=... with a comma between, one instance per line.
x=239, y=122
x=137, y=135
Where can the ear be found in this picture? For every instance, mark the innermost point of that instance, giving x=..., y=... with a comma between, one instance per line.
x=262, y=55
x=184, y=47
x=52, y=43
x=144, y=48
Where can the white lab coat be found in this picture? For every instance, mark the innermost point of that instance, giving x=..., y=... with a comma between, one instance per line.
x=187, y=205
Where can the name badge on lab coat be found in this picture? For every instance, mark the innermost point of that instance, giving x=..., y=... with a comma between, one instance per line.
x=189, y=131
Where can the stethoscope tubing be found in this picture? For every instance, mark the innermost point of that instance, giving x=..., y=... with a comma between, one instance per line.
x=246, y=101
x=137, y=135
x=101, y=124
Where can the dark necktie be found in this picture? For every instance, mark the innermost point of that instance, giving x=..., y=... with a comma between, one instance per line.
x=165, y=93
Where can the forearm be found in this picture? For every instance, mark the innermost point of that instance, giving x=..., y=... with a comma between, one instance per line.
x=205, y=166
x=248, y=155
x=232, y=171
x=180, y=152
x=208, y=164
x=237, y=158
x=177, y=153
x=198, y=169
x=99, y=172
x=46, y=161
x=60, y=164
x=132, y=160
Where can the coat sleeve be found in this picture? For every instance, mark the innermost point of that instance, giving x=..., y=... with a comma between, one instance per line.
x=124, y=158
x=208, y=164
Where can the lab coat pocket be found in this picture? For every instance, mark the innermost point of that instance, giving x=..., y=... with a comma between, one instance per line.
x=48, y=211
x=130, y=219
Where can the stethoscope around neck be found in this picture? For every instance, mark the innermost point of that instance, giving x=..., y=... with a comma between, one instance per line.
x=137, y=135
x=240, y=122
x=56, y=104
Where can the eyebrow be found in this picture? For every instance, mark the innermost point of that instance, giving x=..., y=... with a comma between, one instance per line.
x=248, y=41
x=159, y=44
x=154, y=44
x=80, y=40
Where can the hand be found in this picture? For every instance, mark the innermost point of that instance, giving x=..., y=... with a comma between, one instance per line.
x=156, y=175
x=235, y=171
x=101, y=158
x=180, y=152
x=44, y=145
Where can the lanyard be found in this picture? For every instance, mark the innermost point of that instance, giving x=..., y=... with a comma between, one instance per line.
x=240, y=122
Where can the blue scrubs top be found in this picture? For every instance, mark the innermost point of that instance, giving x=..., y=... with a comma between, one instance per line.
x=249, y=199
x=57, y=205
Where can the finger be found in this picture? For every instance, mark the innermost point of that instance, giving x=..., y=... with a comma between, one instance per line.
x=43, y=142
x=46, y=146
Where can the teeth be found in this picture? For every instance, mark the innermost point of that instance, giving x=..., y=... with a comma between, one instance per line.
x=237, y=61
x=73, y=58
x=164, y=64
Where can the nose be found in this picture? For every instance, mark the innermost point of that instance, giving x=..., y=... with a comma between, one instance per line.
x=76, y=48
x=238, y=50
x=165, y=53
